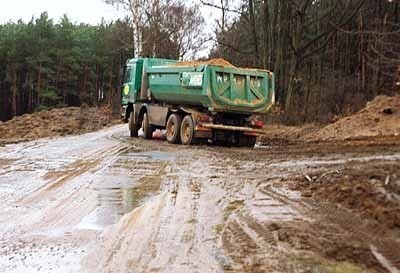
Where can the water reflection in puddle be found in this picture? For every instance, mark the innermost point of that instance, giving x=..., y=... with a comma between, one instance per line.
x=262, y=146
x=112, y=204
x=119, y=192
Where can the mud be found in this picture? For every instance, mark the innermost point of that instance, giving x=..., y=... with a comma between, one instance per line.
x=103, y=202
x=372, y=192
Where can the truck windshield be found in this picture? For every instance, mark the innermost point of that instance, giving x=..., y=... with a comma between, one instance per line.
x=127, y=77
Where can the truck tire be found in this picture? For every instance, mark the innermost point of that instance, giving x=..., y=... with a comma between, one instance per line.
x=187, y=130
x=174, y=128
x=146, y=127
x=133, y=127
x=251, y=141
x=126, y=116
x=247, y=141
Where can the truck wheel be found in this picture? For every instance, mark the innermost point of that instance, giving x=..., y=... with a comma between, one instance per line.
x=173, y=128
x=187, y=130
x=126, y=116
x=251, y=141
x=146, y=127
x=247, y=141
x=133, y=127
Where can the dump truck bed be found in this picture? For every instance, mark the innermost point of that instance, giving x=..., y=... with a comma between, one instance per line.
x=217, y=88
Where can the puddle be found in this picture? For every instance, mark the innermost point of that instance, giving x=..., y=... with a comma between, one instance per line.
x=124, y=185
x=113, y=202
x=262, y=146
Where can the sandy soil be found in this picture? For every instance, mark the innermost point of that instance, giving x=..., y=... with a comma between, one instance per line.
x=104, y=202
x=379, y=119
x=216, y=61
x=55, y=122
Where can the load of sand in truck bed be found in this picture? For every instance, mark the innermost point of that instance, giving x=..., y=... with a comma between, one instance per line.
x=216, y=62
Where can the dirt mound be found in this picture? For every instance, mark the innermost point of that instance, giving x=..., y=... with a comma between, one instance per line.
x=381, y=117
x=55, y=122
x=217, y=62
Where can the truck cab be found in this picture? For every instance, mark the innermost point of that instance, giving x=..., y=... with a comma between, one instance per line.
x=132, y=82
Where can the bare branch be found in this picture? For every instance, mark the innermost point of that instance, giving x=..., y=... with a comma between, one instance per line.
x=220, y=7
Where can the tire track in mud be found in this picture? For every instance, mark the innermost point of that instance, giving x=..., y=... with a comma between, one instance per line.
x=380, y=244
x=182, y=222
x=243, y=240
x=55, y=179
x=182, y=231
x=175, y=237
x=264, y=233
x=249, y=238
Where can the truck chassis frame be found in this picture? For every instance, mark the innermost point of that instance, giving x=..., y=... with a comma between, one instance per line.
x=191, y=125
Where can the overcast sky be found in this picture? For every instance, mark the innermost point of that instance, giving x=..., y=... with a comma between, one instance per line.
x=81, y=11
x=87, y=11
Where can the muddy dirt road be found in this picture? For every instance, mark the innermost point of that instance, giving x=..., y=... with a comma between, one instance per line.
x=103, y=202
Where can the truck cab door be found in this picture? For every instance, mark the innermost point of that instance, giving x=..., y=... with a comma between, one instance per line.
x=128, y=86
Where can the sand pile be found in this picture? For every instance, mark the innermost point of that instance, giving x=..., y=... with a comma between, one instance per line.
x=217, y=62
x=380, y=117
x=55, y=122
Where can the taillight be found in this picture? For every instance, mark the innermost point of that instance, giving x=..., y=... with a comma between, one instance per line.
x=205, y=119
x=257, y=123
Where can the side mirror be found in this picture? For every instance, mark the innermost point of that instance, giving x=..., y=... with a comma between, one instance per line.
x=122, y=70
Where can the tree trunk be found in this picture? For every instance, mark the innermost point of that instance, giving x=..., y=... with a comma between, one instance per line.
x=266, y=47
x=39, y=80
x=254, y=33
x=291, y=86
x=14, y=90
x=84, y=82
x=110, y=81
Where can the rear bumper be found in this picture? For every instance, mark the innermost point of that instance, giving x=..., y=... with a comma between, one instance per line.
x=246, y=130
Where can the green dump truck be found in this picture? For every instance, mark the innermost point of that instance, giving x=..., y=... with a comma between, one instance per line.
x=196, y=101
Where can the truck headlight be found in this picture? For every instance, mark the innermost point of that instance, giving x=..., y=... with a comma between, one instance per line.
x=126, y=90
